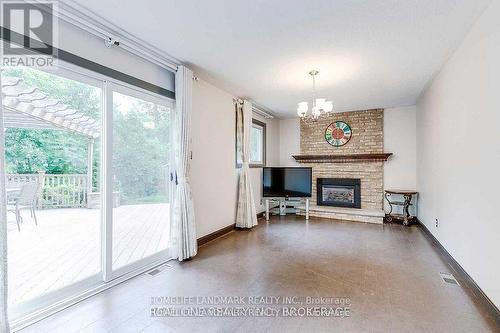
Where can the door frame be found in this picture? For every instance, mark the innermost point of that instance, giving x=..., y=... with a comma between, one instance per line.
x=107, y=235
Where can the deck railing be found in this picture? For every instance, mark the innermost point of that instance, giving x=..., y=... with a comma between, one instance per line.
x=58, y=191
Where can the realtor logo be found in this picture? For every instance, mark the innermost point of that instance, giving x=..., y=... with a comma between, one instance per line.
x=29, y=33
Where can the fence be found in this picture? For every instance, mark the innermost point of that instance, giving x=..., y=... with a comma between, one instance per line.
x=58, y=191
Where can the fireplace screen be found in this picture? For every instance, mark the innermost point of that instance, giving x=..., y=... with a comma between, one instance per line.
x=339, y=192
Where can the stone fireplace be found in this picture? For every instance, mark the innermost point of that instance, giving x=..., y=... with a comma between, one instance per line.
x=361, y=159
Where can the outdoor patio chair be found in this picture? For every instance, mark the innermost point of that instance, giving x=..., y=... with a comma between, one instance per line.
x=27, y=198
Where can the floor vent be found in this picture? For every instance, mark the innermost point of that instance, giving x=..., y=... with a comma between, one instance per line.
x=449, y=278
x=158, y=270
x=153, y=272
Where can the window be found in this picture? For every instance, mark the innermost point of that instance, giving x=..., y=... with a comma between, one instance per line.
x=258, y=144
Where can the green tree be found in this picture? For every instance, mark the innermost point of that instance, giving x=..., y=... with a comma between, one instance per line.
x=140, y=151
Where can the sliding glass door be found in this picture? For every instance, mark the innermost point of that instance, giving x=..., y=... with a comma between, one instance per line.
x=87, y=162
x=140, y=168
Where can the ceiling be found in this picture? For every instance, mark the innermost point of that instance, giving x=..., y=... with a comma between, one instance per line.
x=370, y=53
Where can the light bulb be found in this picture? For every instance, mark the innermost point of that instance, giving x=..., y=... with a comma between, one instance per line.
x=328, y=106
x=302, y=109
x=320, y=103
x=316, y=112
x=303, y=106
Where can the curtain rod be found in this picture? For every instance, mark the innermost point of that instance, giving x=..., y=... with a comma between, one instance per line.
x=77, y=15
x=261, y=112
x=256, y=109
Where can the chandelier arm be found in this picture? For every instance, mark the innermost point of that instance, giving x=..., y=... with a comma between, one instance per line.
x=314, y=90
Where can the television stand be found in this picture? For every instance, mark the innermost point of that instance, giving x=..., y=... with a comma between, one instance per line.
x=282, y=207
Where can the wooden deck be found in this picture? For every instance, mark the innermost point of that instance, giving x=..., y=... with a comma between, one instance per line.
x=65, y=247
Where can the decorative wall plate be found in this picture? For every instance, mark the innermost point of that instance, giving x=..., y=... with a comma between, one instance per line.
x=338, y=133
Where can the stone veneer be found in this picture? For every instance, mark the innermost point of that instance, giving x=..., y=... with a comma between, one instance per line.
x=367, y=137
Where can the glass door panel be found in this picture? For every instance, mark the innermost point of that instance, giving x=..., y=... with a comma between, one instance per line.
x=52, y=156
x=140, y=163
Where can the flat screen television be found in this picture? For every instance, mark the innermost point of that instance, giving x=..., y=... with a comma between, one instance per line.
x=287, y=182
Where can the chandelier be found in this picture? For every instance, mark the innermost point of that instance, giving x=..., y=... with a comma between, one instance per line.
x=319, y=105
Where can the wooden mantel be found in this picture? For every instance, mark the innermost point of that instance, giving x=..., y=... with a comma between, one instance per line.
x=344, y=158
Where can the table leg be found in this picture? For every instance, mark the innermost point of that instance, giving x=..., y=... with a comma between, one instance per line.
x=406, y=209
x=389, y=217
x=267, y=209
x=307, y=209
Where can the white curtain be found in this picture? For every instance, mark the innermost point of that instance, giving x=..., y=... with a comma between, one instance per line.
x=183, y=223
x=4, y=322
x=246, y=216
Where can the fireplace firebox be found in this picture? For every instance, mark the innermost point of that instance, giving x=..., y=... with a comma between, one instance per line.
x=338, y=192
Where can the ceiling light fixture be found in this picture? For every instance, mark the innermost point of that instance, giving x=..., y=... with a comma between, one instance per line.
x=319, y=105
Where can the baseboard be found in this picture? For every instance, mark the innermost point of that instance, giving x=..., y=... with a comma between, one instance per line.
x=463, y=277
x=216, y=234
x=221, y=232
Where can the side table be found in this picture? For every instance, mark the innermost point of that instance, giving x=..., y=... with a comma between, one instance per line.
x=406, y=203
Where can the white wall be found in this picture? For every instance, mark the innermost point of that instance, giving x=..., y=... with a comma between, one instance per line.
x=289, y=141
x=400, y=139
x=214, y=177
x=458, y=154
x=213, y=172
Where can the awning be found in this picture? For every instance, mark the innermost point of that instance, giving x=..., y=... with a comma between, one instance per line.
x=28, y=107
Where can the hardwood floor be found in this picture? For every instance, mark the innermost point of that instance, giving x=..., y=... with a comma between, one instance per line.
x=390, y=274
